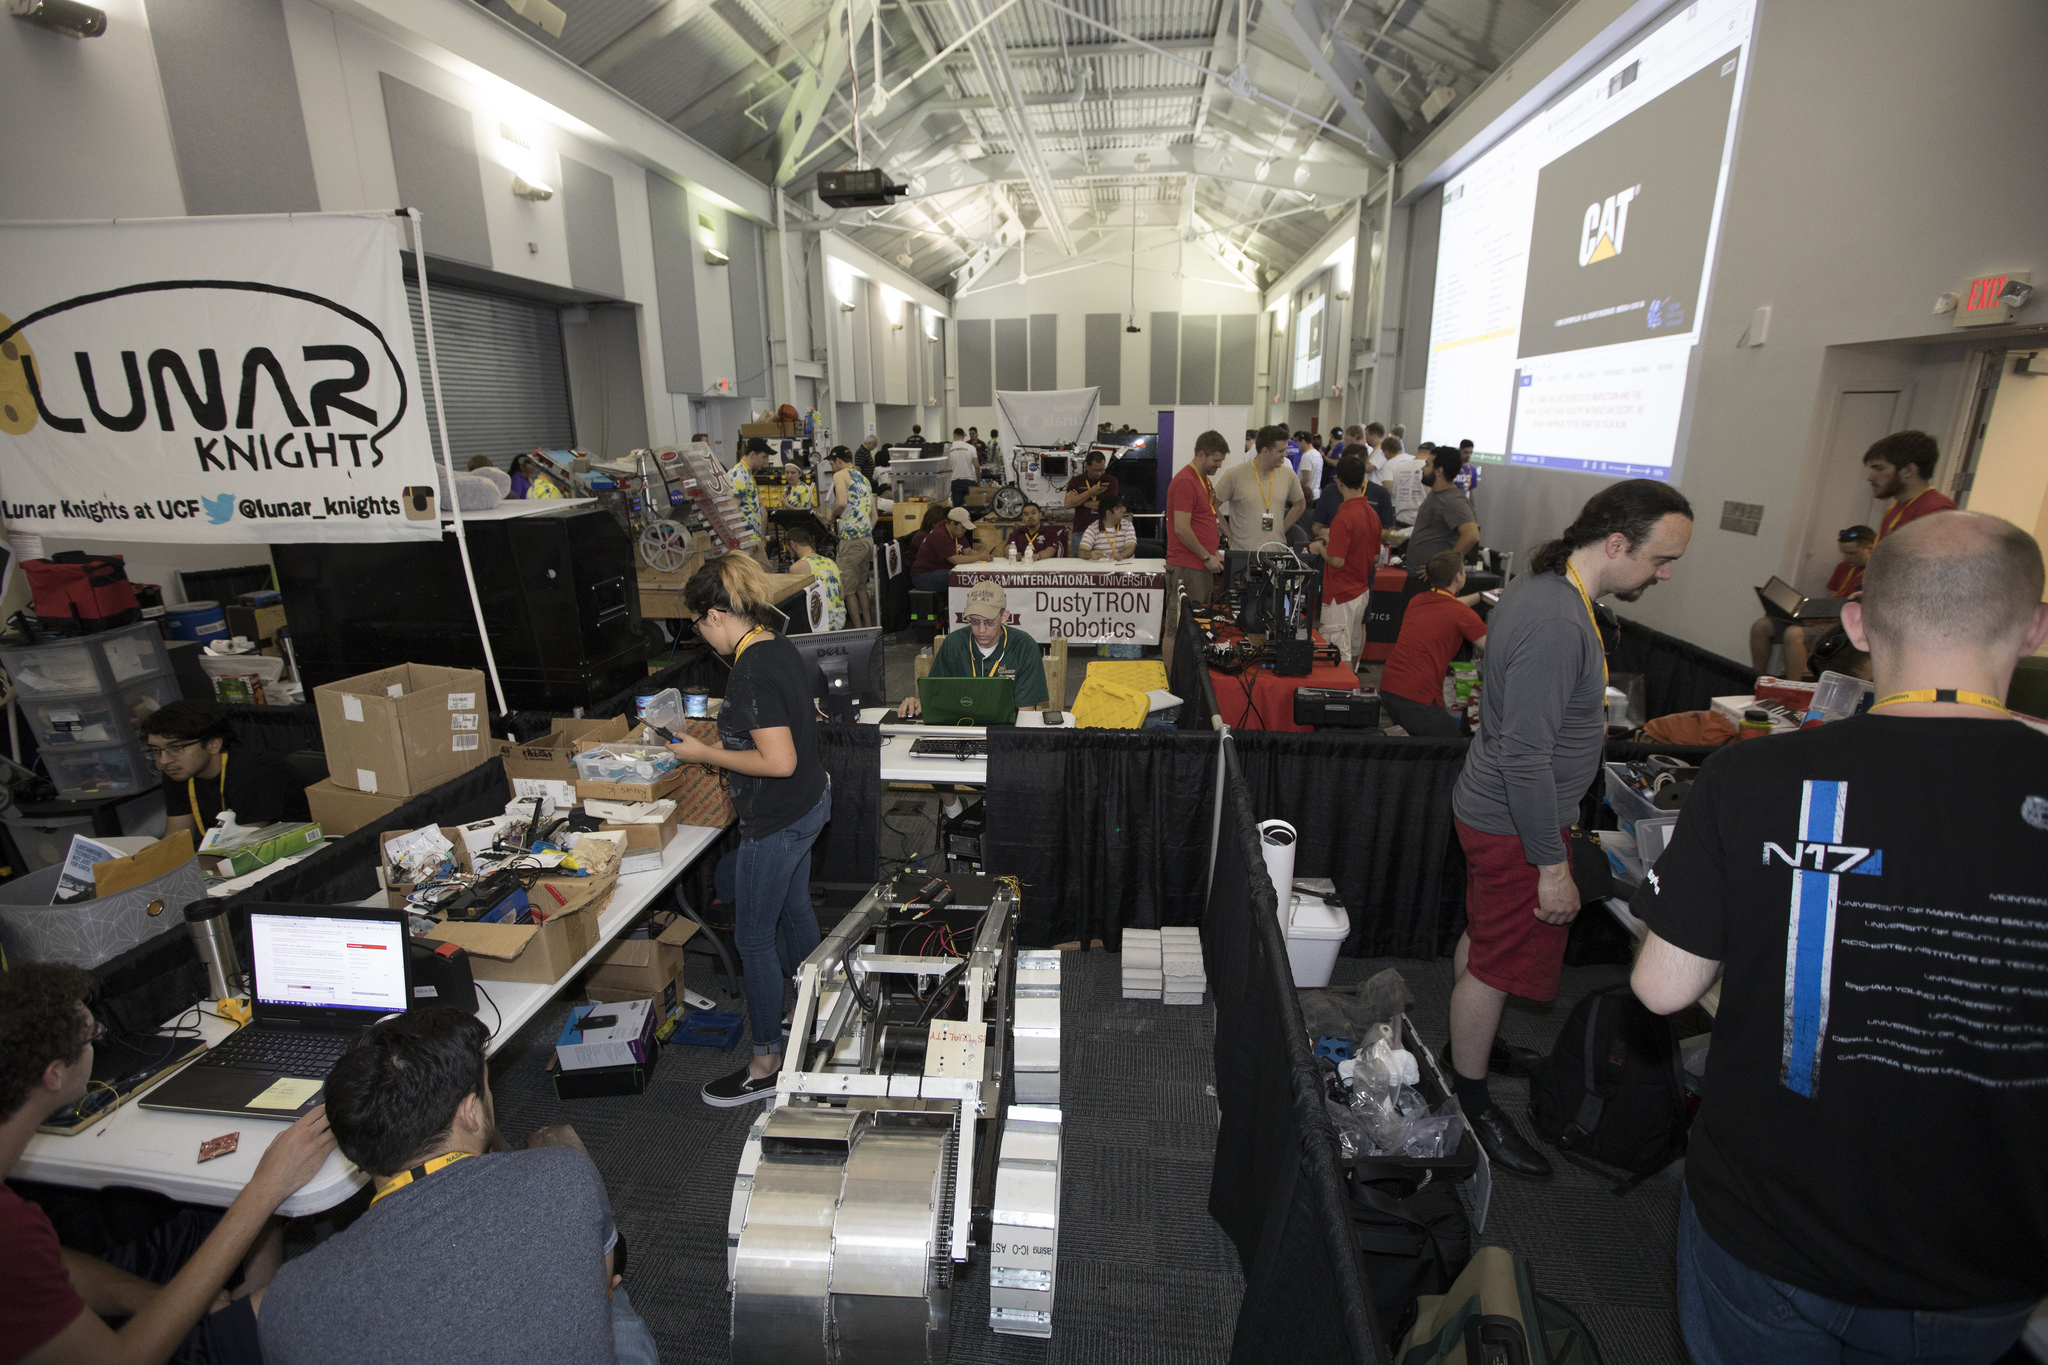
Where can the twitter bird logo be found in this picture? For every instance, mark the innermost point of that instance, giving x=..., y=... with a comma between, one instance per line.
x=220, y=510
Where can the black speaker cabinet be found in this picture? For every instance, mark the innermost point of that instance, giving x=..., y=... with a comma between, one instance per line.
x=558, y=596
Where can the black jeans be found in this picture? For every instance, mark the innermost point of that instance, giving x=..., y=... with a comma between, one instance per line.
x=1419, y=719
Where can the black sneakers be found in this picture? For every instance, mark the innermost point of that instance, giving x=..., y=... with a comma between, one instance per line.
x=739, y=1088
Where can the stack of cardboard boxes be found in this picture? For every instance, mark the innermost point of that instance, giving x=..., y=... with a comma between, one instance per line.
x=392, y=735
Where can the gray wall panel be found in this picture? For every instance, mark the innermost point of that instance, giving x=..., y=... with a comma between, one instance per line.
x=1045, y=350
x=1013, y=354
x=976, y=351
x=1426, y=219
x=675, y=284
x=1236, y=360
x=1165, y=360
x=749, y=307
x=1103, y=355
x=590, y=211
x=433, y=149
x=605, y=393
x=233, y=102
x=1198, y=359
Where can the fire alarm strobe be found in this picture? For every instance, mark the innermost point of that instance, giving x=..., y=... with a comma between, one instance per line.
x=858, y=189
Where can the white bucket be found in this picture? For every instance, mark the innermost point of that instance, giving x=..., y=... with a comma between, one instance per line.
x=1316, y=930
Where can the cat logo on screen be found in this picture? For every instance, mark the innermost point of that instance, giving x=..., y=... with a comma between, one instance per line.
x=1605, y=226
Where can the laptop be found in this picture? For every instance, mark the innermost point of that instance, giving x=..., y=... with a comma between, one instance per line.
x=318, y=975
x=967, y=701
x=1784, y=602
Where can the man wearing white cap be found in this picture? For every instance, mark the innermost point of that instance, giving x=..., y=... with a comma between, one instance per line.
x=950, y=542
x=986, y=647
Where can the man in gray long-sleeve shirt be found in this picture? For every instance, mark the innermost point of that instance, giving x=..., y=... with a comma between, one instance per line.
x=1541, y=727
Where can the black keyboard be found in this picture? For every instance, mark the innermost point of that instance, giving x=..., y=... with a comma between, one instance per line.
x=262, y=1049
x=949, y=748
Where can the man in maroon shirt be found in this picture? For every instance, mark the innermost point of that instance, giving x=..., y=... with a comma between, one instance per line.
x=1191, y=559
x=1412, y=684
x=950, y=542
x=1350, y=552
x=1088, y=488
x=1044, y=542
x=55, y=1302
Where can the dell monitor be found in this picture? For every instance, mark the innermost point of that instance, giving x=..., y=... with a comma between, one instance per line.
x=845, y=669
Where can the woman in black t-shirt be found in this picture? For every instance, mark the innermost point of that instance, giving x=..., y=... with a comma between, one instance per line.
x=205, y=772
x=768, y=732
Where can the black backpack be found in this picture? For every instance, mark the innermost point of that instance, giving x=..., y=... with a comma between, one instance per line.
x=1612, y=1089
x=1412, y=1239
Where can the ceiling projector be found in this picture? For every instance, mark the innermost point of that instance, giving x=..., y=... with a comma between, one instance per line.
x=858, y=189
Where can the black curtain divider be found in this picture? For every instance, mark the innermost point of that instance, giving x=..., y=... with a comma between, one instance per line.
x=1373, y=814
x=1189, y=677
x=695, y=666
x=850, y=849
x=281, y=729
x=1276, y=1188
x=1104, y=828
x=1677, y=675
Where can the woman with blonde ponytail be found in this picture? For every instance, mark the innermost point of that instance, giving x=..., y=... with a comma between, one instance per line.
x=768, y=741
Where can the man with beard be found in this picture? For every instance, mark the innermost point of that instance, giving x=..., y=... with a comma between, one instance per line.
x=1541, y=728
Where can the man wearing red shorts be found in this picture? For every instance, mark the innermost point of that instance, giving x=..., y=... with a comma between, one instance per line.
x=1541, y=728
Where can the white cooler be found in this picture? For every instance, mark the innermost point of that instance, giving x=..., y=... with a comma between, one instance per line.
x=1315, y=931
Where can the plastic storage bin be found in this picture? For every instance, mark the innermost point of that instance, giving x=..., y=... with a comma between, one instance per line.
x=45, y=841
x=110, y=770
x=1315, y=929
x=98, y=718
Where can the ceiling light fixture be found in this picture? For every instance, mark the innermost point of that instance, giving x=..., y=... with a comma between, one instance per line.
x=713, y=256
x=531, y=190
x=61, y=16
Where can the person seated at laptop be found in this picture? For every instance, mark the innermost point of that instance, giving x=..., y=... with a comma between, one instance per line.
x=467, y=1252
x=986, y=648
x=1043, y=541
x=951, y=543
x=1111, y=536
x=58, y=1302
x=1412, y=684
x=205, y=772
x=1855, y=544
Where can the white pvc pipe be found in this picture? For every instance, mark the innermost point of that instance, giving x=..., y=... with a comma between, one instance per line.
x=1277, y=843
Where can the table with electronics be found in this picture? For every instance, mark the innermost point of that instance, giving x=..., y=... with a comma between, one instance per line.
x=1260, y=699
x=157, y=1150
x=901, y=765
x=1088, y=601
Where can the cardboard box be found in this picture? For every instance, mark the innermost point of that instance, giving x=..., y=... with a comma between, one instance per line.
x=639, y=968
x=643, y=844
x=702, y=799
x=551, y=757
x=404, y=730
x=541, y=953
x=344, y=810
x=668, y=785
x=395, y=893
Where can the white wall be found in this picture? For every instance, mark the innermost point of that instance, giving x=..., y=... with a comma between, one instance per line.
x=1865, y=184
x=1172, y=276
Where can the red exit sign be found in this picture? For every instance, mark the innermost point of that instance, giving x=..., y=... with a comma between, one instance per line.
x=1980, y=306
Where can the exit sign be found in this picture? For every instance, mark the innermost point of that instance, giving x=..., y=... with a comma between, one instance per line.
x=1980, y=306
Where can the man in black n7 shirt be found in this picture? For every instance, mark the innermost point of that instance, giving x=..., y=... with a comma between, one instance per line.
x=205, y=771
x=1868, y=1177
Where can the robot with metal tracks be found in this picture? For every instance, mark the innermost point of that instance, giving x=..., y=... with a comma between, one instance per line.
x=917, y=1116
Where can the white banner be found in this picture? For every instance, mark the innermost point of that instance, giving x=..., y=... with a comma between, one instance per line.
x=1048, y=417
x=1082, y=599
x=212, y=380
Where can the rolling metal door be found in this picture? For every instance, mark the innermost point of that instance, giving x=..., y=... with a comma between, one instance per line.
x=504, y=385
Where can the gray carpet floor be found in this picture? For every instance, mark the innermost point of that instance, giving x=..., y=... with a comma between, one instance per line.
x=1145, y=1276
x=1611, y=1260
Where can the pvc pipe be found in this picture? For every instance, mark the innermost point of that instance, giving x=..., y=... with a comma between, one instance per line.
x=1277, y=843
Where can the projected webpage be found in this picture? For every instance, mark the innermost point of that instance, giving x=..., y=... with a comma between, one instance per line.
x=1574, y=255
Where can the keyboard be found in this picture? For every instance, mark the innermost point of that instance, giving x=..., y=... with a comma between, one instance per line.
x=294, y=1054
x=949, y=748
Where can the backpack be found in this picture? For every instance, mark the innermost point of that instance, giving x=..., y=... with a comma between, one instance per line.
x=1409, y=1244
x=77, y=593
x=1493, y=1313
x=1612, y=1089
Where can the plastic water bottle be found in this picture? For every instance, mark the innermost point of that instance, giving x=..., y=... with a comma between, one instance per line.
x=1013, y=552
x=1030, y=553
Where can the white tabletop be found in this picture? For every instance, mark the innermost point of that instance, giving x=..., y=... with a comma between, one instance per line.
x=900, y=765
x=1069, y=564
x=157, y=1150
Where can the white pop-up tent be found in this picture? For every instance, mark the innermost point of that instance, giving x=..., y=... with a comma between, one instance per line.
x=1048, y=417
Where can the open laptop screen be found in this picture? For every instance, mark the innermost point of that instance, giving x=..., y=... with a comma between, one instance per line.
x=1783, y=595
x=331, y=963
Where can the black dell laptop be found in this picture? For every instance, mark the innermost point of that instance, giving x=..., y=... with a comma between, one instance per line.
x=318, y=975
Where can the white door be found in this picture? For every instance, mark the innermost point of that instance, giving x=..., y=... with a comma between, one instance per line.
x=1861, y=416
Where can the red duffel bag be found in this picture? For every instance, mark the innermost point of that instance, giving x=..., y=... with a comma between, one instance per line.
x=77, y=593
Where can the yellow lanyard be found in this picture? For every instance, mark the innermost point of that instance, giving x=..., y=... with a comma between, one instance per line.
x=1441, y=593
x=1943, y=694
x=1891, y=518
x=1208, y=489
x=1587, y=598
x=1265, y=487
x=995, y=660
x=747, y=640
x=192, y=791
x=420, y=1172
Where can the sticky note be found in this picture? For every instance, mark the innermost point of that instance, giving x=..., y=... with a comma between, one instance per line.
x=288, y=1093
x=366, y=780
x=351, y=707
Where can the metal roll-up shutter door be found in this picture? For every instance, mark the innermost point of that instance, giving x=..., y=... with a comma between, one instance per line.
x=504, y=385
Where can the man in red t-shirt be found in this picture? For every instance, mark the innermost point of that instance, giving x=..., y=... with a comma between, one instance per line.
x=1901, y=467
x=1350, y=552
x=1412, y=684
x=1854, y=543
x=1191, y=559
x=52, y=1307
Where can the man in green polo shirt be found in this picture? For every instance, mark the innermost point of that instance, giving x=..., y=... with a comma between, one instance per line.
x=986, y=648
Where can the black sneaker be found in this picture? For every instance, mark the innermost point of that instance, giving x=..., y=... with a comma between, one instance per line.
x=739, y=1088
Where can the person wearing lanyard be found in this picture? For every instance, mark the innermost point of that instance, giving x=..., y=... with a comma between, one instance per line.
x=1432, y=628
x=1868, y=895
x=205, y=772
x=768, y=733
x=1263, y=502
x=528, y=1235
x=987, y=648
x=1542, y=725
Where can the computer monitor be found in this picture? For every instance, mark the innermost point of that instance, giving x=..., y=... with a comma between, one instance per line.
x=845, y=668
x=1053, y=466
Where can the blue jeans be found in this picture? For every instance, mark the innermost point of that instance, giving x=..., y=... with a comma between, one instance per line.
x=773, y=923
x=932, y=580
x=632, y=1342
x=1732, y=1315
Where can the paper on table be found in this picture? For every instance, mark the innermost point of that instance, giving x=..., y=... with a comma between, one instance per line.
x=287, y=1093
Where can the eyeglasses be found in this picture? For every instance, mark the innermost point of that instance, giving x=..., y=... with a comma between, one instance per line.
x=158, y=755
x=982, y=622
